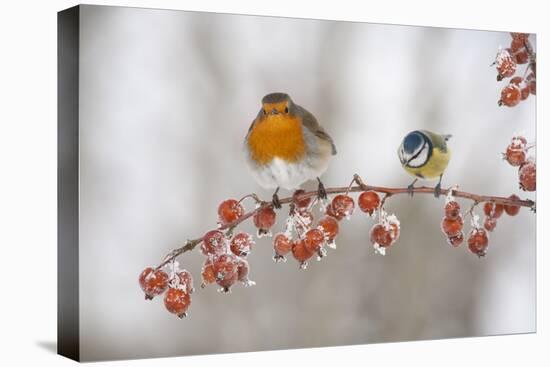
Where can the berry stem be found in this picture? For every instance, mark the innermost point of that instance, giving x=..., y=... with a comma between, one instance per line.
x=361, y=186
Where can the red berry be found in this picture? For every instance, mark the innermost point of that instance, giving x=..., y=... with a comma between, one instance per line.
x=505, y=63
x=241, y=244
x=177, y=301
x=456, y=240
x=313, y=240
x=264, y=218
x=343, y=206
x=208, y=273
x=521, y=56
x=516, y=44
x=452, y=227
x=329, y=226
x=490, y=223
x=510, y=96
x=380, y=235
x=368, y=201
x=329, y=210
x=525, y=92
x=515, y=156
x=213, y=243
x=516, y=80
x=493, y=210
x=282, y=244
x=512, y=210
x=452, y=210
x=528, y=177
x=153, y=282
x=301, y=252
x=478, y=241
x=521, y=36
x=533, y=87
x=225, y=269
x=229, y=211
x=185, y=281
x=242, y=271
x=300, y=202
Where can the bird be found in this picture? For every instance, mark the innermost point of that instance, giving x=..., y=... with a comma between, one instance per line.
x=285, y=146
x=425, y=155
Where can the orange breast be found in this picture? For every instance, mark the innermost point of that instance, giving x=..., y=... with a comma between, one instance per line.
x=277, y=136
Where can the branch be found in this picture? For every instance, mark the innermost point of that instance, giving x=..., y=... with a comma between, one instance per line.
x=359, y=187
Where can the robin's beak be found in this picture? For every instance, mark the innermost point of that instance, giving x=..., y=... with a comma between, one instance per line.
x=274, y=111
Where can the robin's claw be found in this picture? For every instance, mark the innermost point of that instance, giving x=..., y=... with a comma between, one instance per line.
x=275, y=201
x=321, y=192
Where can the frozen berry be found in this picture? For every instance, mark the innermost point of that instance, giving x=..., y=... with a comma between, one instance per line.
x=456, y=240
x=264, y=219
x=493, y=210
x=380, y=235
x=525, y=92
x=515, y=156
x=313, y=240
x=512, y=210
x=242, y=272
x=301, y=252
x=368, y=201
x=343, y=206
x=490, y=223
x=521, y=56
x=213, y=243
x=516, y=80
x=478, y=241
x=282, y=245
x=452, y=227
x=329, y=226
x=177, y=301
x=229, y=211
x=519, y=36
x=185, y=281
x=516, y=44
x=329, y=210
x=452, y=210
x=505, y=64
x=153, y=282
x=528, y=177
x=208, y=273
x=510, y=95
x=241, y=244
x=300, y=201
x=225, y=269
x=533, y=87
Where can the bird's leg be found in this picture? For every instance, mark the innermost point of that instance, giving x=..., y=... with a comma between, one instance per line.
x=437, y=188
x=275, y=201
x=321, y=192
x=410, y=188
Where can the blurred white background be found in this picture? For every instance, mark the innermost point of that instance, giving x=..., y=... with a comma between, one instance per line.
x=166, y=99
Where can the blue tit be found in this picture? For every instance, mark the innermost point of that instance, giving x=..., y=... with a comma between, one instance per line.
x=425, y=155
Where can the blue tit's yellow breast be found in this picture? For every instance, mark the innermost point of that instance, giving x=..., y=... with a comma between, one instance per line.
x=434, y=167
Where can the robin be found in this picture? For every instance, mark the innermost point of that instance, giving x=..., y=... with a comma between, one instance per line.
x=424, y=154
x=286, y=146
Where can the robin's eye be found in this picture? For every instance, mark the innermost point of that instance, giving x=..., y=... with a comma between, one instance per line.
x=265, y=112
x=286, y=109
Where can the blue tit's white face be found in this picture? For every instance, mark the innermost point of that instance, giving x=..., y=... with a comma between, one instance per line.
x=414, y=151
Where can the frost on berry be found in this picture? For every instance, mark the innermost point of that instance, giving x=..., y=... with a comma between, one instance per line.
x=528, y=176
x=213, y=243
x=342, y=206
x=264, y=219
x=516, y=151
x=505, y=64
x=512, y=210
x=452, y=227
x=330, y=228
x=510, y=95
x=456, y=240
x=314, y=239
x=241, y=244
x=225, y=270
x=242, y=273
x=229, y=211
x=385, y=233
x=208, y=273
x=478, y=241
x=282, y=245
x=368, y=202
x=301, y=221
x=490, y=223
x=183, y=280
x=153, y=282
x=177, y=301
x=452, y=210
x=301, y=253
x=299, y=201
x=493, y=210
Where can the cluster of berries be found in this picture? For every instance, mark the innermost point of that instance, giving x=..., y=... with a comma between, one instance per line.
x=177, y=287
x=519, y=88
x=226, y=253
x=478, y=238
x=516, y=156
